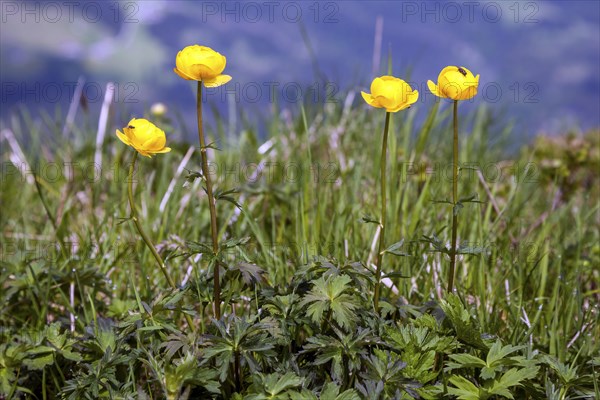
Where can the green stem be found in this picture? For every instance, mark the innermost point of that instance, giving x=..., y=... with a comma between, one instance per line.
x=454, y=202
x=61, y=244
x=145, y=237
x=211, y=204
x=383, y=212
x=238, y=372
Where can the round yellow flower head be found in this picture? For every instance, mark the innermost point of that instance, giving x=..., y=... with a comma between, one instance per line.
x=144, y=136
x=201, y=63
x=456, y=83
x=390, y=93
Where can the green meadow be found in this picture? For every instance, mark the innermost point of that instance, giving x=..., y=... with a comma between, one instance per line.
x=88, y=314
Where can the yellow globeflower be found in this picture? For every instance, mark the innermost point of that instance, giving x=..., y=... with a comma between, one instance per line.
x=456, y=83
x=144, y=136
x=390, y=93
x=201, y=63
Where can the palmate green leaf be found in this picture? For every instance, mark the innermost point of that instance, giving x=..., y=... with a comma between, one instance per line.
x=71, y=355
x=465, y=361
x=386, y=367
x=421, y=367
x=331, y=391
x=495, y=361
x=281, y=306
x=327, y=294
x=336, y=286
x=54, y=336
x=46, y=345
x=496, y=355
x=238, y=336
x=568, y=374
x=40, y=350
x=371, y=389
x=344, y=351
x=387, y=309
x=466, y=327
x=174, y=342
x=321, y=266
x=512, y=377
x=39, y=361
x=489, y=372
x=186, y=371
x=304, y=394
x=328, y=348
x=343, y=310
x=251, y=273
x=275, y=384
x=418, y=346
x=464, y=389
x=316, y=309
x=222, y=351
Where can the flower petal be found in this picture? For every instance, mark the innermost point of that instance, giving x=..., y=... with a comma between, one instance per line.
x=144, y=153
x=468, y=93
x=452, y=90
x=400, y=106
x=123, y=138
x=397, y=108
x=447, y=69
x=369, y=99
x=456, y=77
x=433, y=88
x=388, y=102
x=469, y=75
x=217, y=81
x=183, y=75
x=386, y=86
x=201, y=71
x=412, y=97
x=154, y=143
x=378, y=84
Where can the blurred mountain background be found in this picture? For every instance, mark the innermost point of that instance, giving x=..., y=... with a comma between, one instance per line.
x=539, y=61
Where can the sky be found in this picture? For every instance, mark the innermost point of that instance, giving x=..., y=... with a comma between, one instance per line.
x=539, y=61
